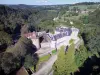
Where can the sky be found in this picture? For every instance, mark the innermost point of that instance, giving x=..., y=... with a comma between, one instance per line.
x=44, y=2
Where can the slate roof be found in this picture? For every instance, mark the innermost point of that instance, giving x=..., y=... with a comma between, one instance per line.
x=63, y=32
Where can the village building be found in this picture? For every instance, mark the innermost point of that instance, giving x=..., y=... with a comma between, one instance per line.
x=62, y=36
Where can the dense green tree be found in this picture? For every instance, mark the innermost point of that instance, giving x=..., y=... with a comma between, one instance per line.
x=65, y=64
x=22, y=47
x=13, y=17
x=5, y=40
x=14, y=56
x=29, y=62
x=85, y=19
x=47, y=25
x=9, y=62
x=94, y=17
x=91, y=39
x=81, y=55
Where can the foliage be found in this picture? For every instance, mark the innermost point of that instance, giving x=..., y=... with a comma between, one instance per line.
x=92, y=39
x=28, y=61
x=69, y=63
x=5, y=38
x=90, y=31
x=74, y=13
x=94, y=17
x=46, y=25
x=9, y=62
x=12, y=19
x=13, y=57
x=87, y=3
x=85, y=19
x=65, y=64
x=12, y=16
x=81, y=55
x=1, y=54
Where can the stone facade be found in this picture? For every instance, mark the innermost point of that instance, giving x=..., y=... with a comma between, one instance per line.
x=61, y=37
x=64, y=39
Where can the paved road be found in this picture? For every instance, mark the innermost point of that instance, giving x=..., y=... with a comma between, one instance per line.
x=48, y=66
x=51, y=73
x=44, y=51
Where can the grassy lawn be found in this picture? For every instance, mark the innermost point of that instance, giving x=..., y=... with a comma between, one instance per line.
x=44, y=58
x=71, y=41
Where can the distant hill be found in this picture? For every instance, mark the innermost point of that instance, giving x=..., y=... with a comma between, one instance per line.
x=42, y=7
x=86, y=3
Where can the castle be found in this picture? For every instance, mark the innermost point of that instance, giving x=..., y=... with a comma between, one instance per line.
x=62, y=36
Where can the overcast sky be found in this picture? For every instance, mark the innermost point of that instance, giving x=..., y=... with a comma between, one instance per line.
x=44, y=2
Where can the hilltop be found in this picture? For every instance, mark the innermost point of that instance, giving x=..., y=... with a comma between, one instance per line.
x=17, y=51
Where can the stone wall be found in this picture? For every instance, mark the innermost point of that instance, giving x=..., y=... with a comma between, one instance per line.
x=45, y=45
x=36, y=43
